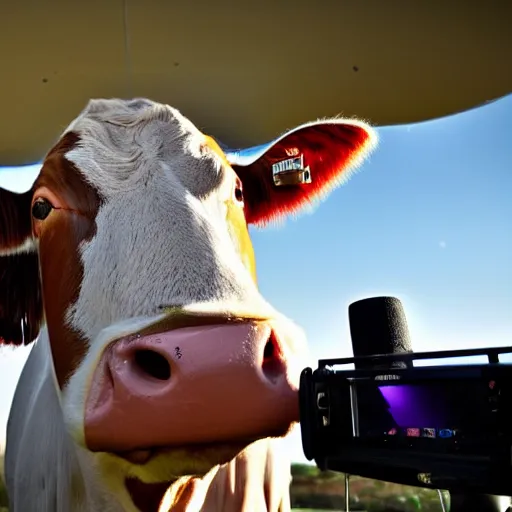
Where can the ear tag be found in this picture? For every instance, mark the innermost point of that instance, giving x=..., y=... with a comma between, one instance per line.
x=291, y=172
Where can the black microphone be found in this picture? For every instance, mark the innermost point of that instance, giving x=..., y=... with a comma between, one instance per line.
x=378, y=326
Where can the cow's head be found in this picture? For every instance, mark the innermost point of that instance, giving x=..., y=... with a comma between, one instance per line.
x=132, y=247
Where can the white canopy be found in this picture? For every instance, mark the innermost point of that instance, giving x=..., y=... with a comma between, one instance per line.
x=244, y=72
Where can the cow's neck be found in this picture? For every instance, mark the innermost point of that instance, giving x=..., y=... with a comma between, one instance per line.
x=258, y=479
x=42, y=469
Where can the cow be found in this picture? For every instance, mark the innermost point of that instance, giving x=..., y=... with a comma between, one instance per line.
x=159, y=378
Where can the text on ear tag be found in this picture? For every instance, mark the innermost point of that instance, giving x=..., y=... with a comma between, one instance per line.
x=291, y=172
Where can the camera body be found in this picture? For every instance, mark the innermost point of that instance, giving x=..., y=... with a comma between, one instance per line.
x=439, y=427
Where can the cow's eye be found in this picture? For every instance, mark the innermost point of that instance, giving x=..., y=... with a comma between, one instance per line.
x=41, y=209
x=239, y=195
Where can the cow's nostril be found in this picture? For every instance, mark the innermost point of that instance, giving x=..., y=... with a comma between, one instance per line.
x=153, y=364
x=268, y=351
x=272, y=366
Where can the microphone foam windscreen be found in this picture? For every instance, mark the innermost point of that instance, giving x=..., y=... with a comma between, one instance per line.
x=378, y=326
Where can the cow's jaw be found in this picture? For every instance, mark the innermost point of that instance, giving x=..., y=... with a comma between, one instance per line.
x=141, y=487
x=144, y=485
x=257, y=479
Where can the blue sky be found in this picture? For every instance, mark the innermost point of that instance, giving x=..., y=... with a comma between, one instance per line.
x=427, y=219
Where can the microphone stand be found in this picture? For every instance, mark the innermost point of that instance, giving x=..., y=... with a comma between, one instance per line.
x=459, y=502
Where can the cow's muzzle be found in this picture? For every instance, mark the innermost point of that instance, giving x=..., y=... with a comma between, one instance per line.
x=191, y=386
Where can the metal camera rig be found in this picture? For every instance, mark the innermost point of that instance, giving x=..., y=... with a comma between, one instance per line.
x=438, y=427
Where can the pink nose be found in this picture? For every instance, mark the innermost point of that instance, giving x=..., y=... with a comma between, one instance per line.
x=192, y=385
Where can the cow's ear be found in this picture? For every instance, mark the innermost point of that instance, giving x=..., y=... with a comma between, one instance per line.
x=21, y=307
x=299, y=168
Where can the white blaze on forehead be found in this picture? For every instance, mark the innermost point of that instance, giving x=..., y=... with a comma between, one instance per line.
x=161, y=233
x=124, y=142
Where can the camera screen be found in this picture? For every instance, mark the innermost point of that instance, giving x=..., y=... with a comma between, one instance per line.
x=445, y=409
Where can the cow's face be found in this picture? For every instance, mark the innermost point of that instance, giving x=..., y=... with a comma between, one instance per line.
x=168, y=359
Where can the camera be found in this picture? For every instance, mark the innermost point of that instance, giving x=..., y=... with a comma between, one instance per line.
x=439, y=427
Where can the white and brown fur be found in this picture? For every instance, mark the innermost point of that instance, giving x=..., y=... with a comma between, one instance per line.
x=146, y=222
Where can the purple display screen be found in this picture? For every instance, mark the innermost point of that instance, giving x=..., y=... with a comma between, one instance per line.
x=444, y=409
